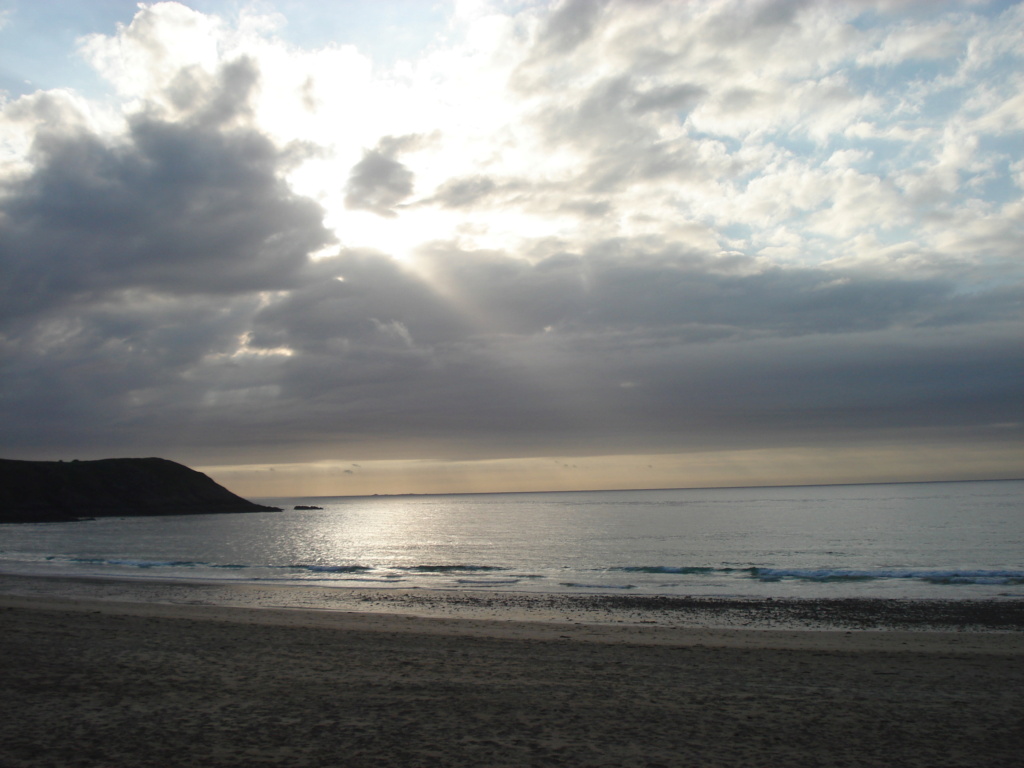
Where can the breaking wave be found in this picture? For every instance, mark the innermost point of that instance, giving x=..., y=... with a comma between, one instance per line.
x=577, y=585
x=147, y=563
x=675, y=569
x=760, y=573
x=930, y=576
x=344, y=568
x=451, y=568
x=492, y=575
x=329, y=568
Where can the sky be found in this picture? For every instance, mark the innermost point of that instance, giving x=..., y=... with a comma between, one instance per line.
x=500, y=245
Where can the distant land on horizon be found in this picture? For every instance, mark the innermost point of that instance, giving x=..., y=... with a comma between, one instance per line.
x=61, y=491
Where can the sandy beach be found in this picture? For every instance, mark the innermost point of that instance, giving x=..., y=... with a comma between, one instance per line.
x=94, y=679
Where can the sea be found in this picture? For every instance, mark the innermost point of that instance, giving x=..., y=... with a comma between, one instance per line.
x=956, y=540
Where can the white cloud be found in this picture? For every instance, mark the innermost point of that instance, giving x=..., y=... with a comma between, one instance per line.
x=999, y=113
x=914, y=41
x=164, y=42
x=761, y=75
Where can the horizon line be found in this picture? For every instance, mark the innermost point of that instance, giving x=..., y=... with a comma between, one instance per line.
x=627, y=490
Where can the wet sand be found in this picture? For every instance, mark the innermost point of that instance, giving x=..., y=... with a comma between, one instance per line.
x=92, y=680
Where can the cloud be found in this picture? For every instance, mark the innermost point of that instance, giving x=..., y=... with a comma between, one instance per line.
x=165, y=43
x=486, y=354
x=569, y=25
x=379, y=181
x=462, y=192
x=179, y=207
x=629, y=228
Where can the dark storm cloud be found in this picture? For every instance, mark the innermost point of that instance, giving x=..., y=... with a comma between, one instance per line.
x=572, y=22
x=758, y=27
x=603, y=117
x=463, y=192
x=634, y=286
x=635, y=392
x=175, y=208
x=626, y=345
x=379, y=181
x=130, y=263
x=372, y=299
x=632, y=345
x=678, y=98
x=215, y=101
x=650, y=284
x=91, y=374
x=609, y=119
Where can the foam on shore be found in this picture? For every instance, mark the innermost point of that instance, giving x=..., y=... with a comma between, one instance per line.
x=608, y=617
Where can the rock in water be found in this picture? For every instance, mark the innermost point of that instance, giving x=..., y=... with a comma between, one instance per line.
x=52, y=491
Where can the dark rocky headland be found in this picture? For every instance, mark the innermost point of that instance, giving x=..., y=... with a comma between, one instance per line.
x=56, y=491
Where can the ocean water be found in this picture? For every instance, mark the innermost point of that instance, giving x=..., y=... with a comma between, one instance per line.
x=929, y=540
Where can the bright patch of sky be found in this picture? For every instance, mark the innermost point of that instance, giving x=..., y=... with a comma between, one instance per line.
x=40, y=39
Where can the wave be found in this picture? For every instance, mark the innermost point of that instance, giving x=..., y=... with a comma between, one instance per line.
x=764, y=574
x=312, y=567
x=326, y=568
x=577, y=585
x=146, y=563
x=674, y=574
x=1007, y=577
x=678, y=569
x=138, y=563
x=451, y=568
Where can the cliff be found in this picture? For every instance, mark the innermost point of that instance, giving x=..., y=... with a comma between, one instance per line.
x=52, y=491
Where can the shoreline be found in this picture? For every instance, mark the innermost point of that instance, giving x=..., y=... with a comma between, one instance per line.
x=997, y=624
x=815, y=639
x=94, y=681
